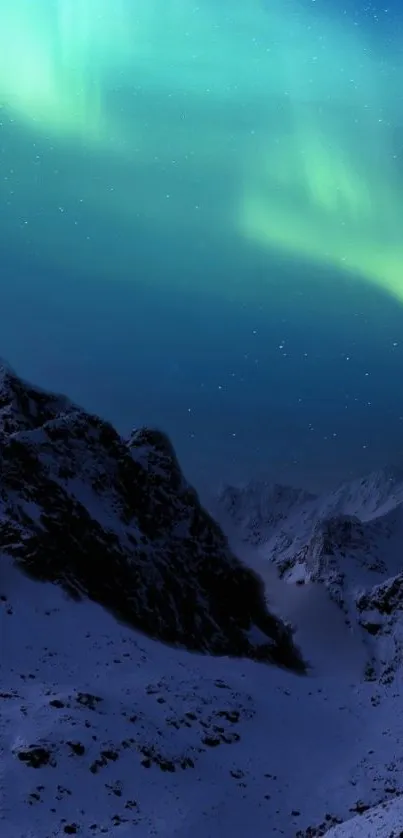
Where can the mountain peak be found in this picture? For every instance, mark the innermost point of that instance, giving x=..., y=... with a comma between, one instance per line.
x=116, y=521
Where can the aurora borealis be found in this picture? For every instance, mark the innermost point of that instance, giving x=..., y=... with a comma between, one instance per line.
x=178, y=131
x=292, y=103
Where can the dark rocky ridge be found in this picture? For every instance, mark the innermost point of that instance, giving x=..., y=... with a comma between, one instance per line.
x=116, y=521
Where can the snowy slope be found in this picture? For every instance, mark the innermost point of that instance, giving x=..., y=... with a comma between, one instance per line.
x=104, y=731
x=384, y=821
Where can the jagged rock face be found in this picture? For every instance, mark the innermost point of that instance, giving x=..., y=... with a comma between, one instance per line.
x=116, y=520
x=341, y=553
x=320, y=558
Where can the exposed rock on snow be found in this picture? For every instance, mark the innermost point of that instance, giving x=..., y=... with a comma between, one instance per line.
x=116, y=520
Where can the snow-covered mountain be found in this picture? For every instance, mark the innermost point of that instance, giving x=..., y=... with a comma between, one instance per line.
x=115, y=520
x=281, y=517
x=168, y=721
x=347, y=540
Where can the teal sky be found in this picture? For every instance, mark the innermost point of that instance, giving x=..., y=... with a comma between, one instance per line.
x=201, y=220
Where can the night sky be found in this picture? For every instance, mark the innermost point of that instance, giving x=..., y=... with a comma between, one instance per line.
x=201, y=227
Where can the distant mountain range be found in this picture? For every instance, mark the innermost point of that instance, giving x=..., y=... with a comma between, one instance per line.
x=349, y=540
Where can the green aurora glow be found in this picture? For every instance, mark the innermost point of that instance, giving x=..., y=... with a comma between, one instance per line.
x=269, y=121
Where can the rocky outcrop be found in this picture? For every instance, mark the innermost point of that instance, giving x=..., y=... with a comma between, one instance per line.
x=115, y=520
x=380, y=614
